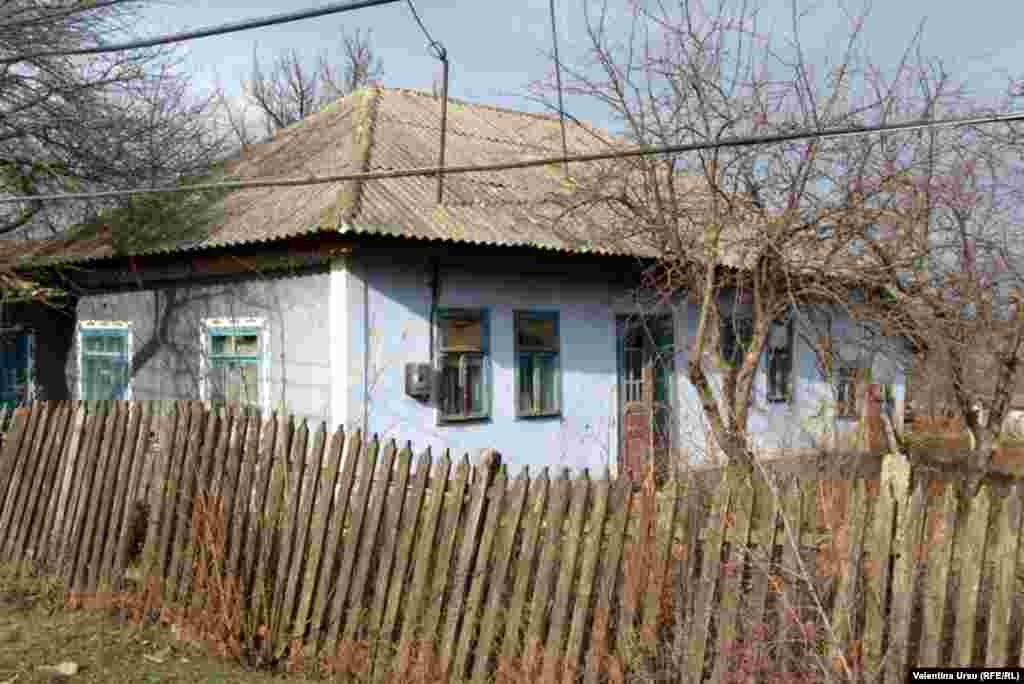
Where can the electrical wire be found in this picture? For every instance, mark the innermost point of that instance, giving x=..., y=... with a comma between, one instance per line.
x=434, y=45
x=221, y=29
x=643, y=151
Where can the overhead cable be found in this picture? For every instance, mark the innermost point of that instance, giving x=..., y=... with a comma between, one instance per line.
x=218, y=30
x=642, y=151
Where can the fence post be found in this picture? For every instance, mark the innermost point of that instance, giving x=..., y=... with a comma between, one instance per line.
x=895, y=482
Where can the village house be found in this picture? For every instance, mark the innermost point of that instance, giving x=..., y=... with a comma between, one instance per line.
x=466, y=324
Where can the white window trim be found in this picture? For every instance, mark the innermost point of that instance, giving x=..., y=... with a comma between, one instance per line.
x=102, y=325
x=263, y=370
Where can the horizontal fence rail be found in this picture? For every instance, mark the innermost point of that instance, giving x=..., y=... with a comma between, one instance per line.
x=331, y=544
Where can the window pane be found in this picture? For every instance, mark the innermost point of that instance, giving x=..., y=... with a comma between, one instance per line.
x=221, y=344
x=536, y=333
x=461, y=333
x=115, y=344
x=463, y=385
x=103, y=378
x=538, y=384
x=91, y=343
x=548, y=373
x=247, y=344
x=474, y=379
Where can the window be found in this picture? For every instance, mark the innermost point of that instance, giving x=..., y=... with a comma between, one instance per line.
x=464, y=392
x=735, y=334
x=235, y=364
x=16, y=357
x=780, y=361
x=847, y=383
x=103, y=353
x=537, y=368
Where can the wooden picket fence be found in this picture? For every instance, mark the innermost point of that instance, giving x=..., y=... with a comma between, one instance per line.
x=331, y=540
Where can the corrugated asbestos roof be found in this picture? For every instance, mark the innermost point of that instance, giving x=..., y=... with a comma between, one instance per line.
x=384, y=128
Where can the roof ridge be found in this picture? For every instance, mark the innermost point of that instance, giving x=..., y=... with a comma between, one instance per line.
x=349, y=199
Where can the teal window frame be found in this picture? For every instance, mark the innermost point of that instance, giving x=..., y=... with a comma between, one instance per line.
x=117, y=364
x=221, y=359
x=456, y=399
x=538, y=358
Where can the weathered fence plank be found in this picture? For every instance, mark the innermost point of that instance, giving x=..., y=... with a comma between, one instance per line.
x=181, y=540
x=446, y=550
x=370, y=531
x=490, y=623
x=23, y=419
x=893, y=488
x=1005, y=559
x=366, y=464
x=591, y=542
x=843, y=610
x=403, y=562
x=390, y=531
x=50, y=542
x=911, y=522
x=23, y=463
x=481, y=571
x=710, y=572
x=971, y=549
x=318, y=530
x=664, y=530
x=310, y=482
x=116, y=521
x=545, y=582
x=738, y=523
x=35, y=546
x=416, y=606
x=289, y=520
x=563, y=591
x=158, y=491
x=514, y=631
x=610, y=563
x=471, y=538
x=940, y=558
x=350, y=447
x=91, y=496
x=103, y=504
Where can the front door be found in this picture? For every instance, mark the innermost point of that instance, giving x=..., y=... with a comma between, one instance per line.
x=645, y=391
x=15, y=367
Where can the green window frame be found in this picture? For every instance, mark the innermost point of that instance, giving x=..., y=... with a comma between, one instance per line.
x=538, y=380
x=235, y=366
x=464, y=390
x=103, y=363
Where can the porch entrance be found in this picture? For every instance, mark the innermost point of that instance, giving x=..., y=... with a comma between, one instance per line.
x=646, y=394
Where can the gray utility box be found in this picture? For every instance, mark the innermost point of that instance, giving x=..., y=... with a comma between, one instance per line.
x=418, y=377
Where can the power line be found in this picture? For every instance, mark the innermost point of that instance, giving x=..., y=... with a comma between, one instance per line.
x=435, y=46
x=643, y=151
x=221, y=29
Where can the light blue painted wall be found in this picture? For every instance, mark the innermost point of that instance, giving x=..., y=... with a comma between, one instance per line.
x=393, y=288
x=397, y=302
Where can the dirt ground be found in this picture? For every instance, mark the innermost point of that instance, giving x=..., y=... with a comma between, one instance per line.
x=37, y=633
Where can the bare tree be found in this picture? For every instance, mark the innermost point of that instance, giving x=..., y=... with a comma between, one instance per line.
x=793, y=234
x=289, y=90
x=79, y=123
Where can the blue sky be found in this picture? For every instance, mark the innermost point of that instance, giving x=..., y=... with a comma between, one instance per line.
x=496, y=48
